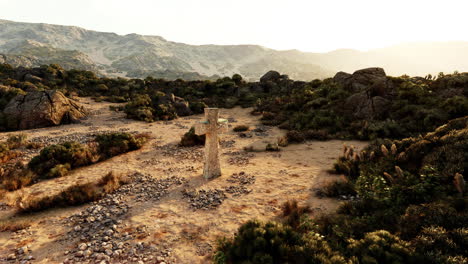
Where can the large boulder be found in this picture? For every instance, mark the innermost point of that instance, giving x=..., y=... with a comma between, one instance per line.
x=342, y=77
x=372, y=80
x=41, y=109
x=270, y=76
x=363, y=106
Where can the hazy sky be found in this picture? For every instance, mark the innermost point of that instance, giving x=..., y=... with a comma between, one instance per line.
x=306, y=25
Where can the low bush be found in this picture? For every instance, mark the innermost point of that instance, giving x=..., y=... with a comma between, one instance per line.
x=16, y=141
x=113, y=144
x=336, y=188
x=191, y=139
x=382, y=247
x=56, y=160
x=241, y=128
x=257, y=242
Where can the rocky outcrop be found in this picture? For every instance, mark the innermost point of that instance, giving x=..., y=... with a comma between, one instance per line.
x=371, y=89
x=363, y=106
x=372, y=80
x=41, y=109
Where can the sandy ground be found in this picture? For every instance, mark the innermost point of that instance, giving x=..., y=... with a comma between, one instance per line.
x=292, y=173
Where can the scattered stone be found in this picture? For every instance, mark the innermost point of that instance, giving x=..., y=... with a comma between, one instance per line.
x=227, y=143
x=245, y=135
x=98, y=225
x=82, y=246
x=239, y=158
x=203, y=249
x=77, y=137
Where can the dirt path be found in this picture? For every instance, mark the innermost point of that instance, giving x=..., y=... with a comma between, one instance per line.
x=191, y=234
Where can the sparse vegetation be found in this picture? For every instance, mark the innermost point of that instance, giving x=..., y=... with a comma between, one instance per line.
x=412, y=208
x=58, y=160
x=13, y=225
x=411, y=201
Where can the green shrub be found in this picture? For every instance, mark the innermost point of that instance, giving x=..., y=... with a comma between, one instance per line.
x=114, y=144
x=382, y=247
x=439, y=245
x=56, y=160
x=257, y=242
x=336, y=189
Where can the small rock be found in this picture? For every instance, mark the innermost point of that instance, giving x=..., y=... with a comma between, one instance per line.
x=82, y=246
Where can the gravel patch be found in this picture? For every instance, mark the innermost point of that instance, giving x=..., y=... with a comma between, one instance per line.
x=188, y=153
x=103, y=236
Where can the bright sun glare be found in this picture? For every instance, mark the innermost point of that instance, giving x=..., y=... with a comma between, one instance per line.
x=306, y=25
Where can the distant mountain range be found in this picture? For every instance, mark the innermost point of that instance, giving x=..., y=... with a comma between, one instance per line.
x=132, y=55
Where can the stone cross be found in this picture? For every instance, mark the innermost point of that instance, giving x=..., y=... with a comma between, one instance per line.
x=211, y=127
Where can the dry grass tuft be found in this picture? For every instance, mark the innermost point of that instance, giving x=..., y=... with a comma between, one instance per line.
x=292, y=212
x=73, y=195
x=13, y=225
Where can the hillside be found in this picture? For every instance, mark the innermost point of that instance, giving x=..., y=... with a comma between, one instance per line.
x=138, y=56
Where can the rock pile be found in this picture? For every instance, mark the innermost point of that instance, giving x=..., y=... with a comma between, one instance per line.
x=261, y=131
x=237, y=190
x=241, y=178
x=203, y=199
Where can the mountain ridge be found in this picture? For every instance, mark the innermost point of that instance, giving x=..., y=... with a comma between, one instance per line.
x=137, y=56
